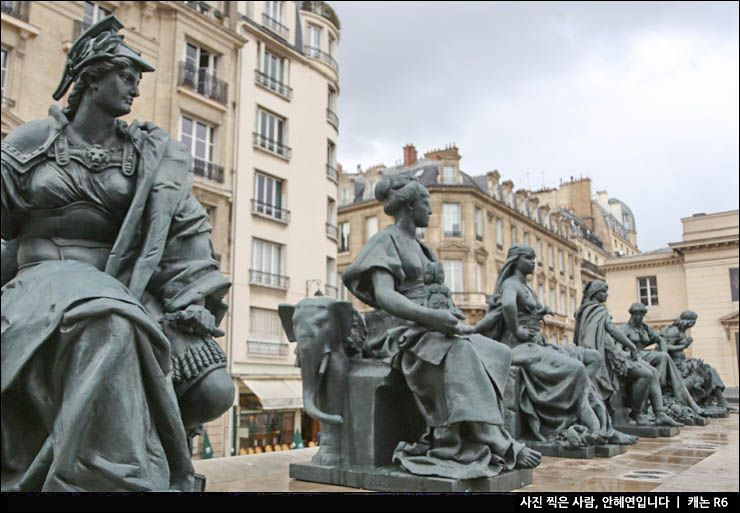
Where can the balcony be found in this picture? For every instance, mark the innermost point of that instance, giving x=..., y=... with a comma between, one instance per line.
x=7, y=103
x=585, y=264
x=332, y=231
x=257, y=347
x=17, y=9
x=208, y=170
x=316, y=53
x=331, y=172
x=455, y=232
x=277, y=281
x=469, y=299
x=271, y=211
x=271, y=146
x=332, y=118
x=273, y=85
x=275, y=26
x=200, y=80
x=331, y=290
x=322, y=9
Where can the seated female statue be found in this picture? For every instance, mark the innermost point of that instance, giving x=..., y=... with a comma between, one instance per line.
x=595, y=330
x=701, y=379
x=643, y=336
x=108, y=363
x=457, y=379
x=557, y=391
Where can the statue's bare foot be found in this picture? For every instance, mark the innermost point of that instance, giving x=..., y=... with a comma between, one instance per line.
x=620, y=438
x=662, y=419
x=641, y=419
x=528, y=458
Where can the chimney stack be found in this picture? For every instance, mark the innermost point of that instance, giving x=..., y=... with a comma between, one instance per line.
x=409, y=155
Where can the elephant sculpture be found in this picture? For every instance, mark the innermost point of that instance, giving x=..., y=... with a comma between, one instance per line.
x=322, y=327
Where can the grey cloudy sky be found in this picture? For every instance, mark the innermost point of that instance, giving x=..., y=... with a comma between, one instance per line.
x=640, y=97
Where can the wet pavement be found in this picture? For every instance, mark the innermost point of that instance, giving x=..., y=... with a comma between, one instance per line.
x=700, y=458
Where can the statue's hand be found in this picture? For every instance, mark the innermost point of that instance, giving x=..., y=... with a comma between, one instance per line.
x=443, y=321
x=524, y=334
x=463, y=329
x=195, y=319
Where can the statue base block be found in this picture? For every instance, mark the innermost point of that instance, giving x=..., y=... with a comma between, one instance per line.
x=610, y=450
x=199, y=483
x=701, y=421
x=558, y=451
x=393, y=479
x=719, y=415
x=649, y=431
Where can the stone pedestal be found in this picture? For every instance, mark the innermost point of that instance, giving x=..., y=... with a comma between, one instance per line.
x=394, y=479
x=558, y=451
x=648, y=431
x=610, y=450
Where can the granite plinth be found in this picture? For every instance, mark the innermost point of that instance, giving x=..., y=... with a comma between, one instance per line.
x=698, y=421
x=649, y=431
x=609, y=450
x=393, y=479
x=718, y=414
x=199, y=483
x=558, y=451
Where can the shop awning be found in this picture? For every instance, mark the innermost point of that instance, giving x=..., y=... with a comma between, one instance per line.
x=277, y=394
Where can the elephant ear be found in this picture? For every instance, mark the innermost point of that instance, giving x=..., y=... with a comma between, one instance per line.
x=285, y=311
x=343, y=315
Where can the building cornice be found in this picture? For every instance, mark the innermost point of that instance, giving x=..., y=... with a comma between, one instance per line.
x=715, y=242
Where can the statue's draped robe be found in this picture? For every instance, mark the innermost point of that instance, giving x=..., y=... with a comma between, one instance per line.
x=457, y=381
x=87, y=394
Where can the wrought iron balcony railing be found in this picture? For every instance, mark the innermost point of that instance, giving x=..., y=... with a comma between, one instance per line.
x=332, y=118
x=203, y=82
x=275, y=26
x=265, y=209
x=208, y=170
x=273, y=84
x=271, y=145
x=319, y=54
x=455, y=232
x=331, y=290
x=331, y=172
x=332, y=231
x=322, y=9
x=279, y=281
x=258, y=347
x=17, y=9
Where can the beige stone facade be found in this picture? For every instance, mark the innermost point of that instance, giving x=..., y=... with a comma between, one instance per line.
x=285, y=228
x=200, y=87
x=699, y=273
x=475, y=221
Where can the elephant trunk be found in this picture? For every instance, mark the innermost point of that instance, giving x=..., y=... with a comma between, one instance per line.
x=312, y=383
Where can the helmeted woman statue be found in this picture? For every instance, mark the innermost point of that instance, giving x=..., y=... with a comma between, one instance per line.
x=595, y=330
x=557, y=398
x=107, y=359
x=457, y=378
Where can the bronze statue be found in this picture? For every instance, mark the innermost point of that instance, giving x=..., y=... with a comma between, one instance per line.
x=557, y=398
x=108, y=363
x=682, y=406
x=701, y=379
x=456, y=378
x=595, y=330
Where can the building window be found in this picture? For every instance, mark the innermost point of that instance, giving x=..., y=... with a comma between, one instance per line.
x=734, y=284
x=313, y=47
x=268, y=197
x=563, y=303
x=453, y=275
x=419, y=232
x=331, y=219
x=331, y=107
x=570, y=266
x=539, y=252
x=200, y=138
x=553, y=304
x=541, y=293
x=271, y=133
x=371, y=226
x=273, y=74
x=200, y=71
x=550, y=258
x=246, y=9
x=5, y=57
x=344, y=237
x=267, y=264
x=448, y=174
x=561, y=262
x=345, y=194
x=93, y=13
x=526, y=238
x=451, y=213
x=479, y=224
x=479, y=274
x=513, y=235
x=648, y=290
x=331, y=277
x=265, y=331
x=370, y=189
x=499, y=234
x=343, y=290
x=572, y=305
x=272, y=18
x=332, y=45
x=331, y=161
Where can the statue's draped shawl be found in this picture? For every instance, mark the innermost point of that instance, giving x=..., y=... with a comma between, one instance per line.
x=591, y=333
